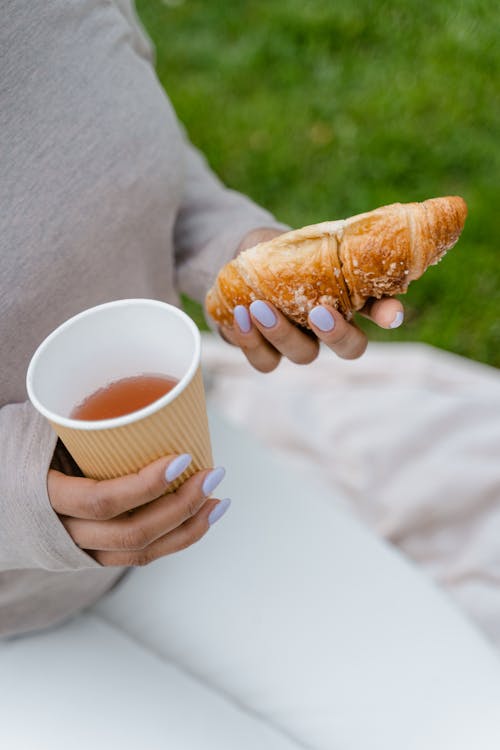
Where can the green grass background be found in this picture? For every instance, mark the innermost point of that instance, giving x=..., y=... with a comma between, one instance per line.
x=326, y=108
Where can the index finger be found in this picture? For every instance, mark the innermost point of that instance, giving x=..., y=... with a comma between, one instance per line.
x=92, y=499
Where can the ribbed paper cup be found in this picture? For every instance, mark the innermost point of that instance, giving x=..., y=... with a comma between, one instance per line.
x=113, y=341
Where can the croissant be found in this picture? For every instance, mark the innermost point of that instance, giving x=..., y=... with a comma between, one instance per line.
x=340, y=263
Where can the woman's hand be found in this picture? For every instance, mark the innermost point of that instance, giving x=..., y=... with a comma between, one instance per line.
x=130, y=520
x=265, y=335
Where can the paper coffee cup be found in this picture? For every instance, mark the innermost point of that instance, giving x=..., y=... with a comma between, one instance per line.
x=106, y=343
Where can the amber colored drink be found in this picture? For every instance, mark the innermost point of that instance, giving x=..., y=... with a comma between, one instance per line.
x=123, y=397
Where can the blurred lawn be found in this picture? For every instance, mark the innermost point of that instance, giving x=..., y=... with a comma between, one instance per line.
x=322, y=109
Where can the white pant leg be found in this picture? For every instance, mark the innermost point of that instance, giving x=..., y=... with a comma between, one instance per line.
x=298, y=613
x=88, y=686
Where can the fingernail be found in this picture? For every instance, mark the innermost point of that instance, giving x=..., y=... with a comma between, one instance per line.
x=177, y=466
x=398, y=319
x=263, y=313
x=322, y=318
x=242, y=318
x=219, y=511
x=212, y=480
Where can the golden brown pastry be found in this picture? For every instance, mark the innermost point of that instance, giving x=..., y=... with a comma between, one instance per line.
x=340, y=263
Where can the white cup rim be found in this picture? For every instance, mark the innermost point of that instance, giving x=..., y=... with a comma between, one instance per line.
x=135, y=416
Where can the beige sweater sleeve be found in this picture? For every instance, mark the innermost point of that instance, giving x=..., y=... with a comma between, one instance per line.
x=210, y=225
x=31, y=534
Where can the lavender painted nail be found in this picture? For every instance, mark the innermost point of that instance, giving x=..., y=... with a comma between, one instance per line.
x=219, y=511
x=398, y=319
x=322, y=318
x=242, y=318
x=213, y=480
x=177, y=466
x=263, y=314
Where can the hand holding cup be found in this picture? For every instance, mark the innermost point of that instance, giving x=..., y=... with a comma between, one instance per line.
x=131, y=520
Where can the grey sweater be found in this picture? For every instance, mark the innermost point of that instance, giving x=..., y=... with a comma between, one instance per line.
x=101, y=197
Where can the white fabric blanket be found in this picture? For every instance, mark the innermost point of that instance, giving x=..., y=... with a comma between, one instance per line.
x=408, y=436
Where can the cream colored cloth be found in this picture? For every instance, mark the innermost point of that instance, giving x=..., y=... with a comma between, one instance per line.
x=408, y=436
x=289, y=626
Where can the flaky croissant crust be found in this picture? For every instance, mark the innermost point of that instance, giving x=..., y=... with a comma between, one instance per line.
x=340, y=263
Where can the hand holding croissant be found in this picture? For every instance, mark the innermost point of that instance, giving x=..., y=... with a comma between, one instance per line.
x=340, y=263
